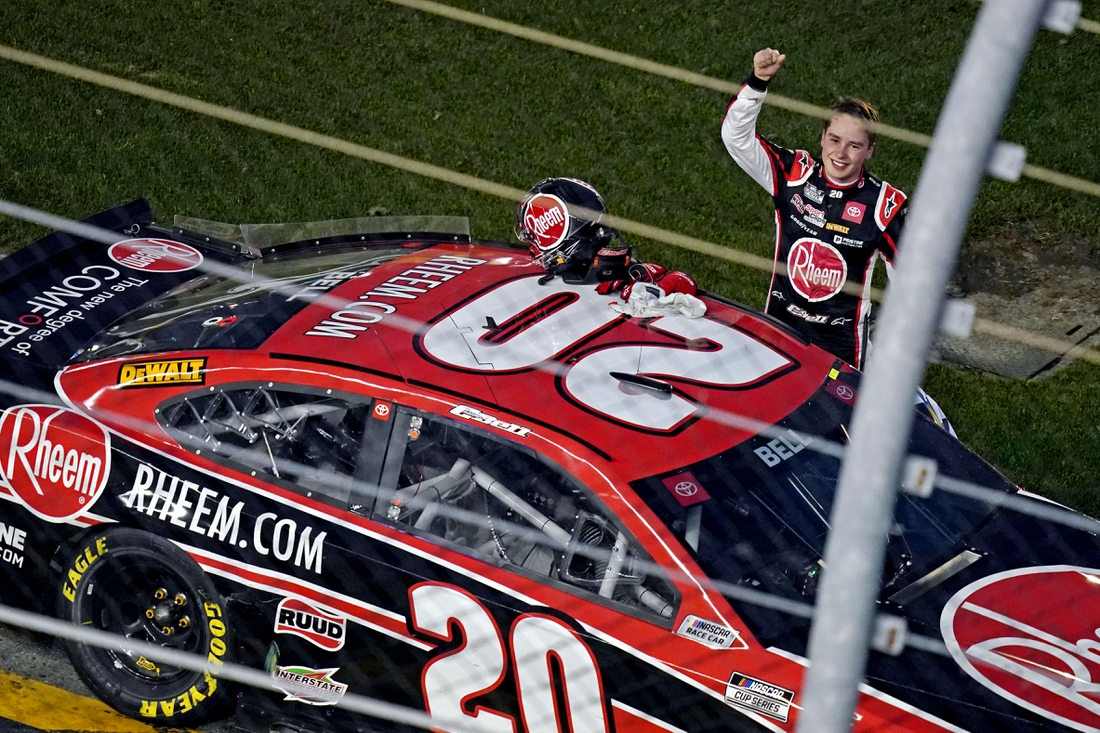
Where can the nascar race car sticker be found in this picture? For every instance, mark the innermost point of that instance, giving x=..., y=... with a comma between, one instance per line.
x=325, y=629
x=750, y=693
x=308, y=685
x=155, y=255
x=816, y=269
x=163, y=372
x=209, y=513
x=710, y=633
x=1031, y=635
x=11, y=544
x=53, y=460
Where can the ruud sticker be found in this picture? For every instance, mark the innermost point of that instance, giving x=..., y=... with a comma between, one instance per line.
x=55, y=461
x=759, y=696
x=320, y=628
x=162, y=372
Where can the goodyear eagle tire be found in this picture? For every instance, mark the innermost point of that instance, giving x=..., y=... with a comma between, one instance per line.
x=141, y=586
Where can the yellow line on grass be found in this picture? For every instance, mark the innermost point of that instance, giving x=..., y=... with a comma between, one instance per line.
x=709, y=82
x=45, y=707
x=432, y=171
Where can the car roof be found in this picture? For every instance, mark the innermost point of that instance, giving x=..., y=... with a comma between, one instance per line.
x=480, y=326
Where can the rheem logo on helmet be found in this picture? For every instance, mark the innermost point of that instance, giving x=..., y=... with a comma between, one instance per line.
x=545, y=221
x=817, y=271
x=155, y=255
x=55, y=461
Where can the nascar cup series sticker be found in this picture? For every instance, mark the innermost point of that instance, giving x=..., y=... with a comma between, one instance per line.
x=155, y=255
x=54, y=460
x=750, y=693
x=816, y=269
x=1032, y=636
x=710, y=633
x=309, y=686
x=162, y=373
x=319, y=627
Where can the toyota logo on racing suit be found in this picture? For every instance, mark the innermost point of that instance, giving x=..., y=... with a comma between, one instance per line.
x=155, y=255
x=816, y=269
x=1030, y=635
x=547, y=219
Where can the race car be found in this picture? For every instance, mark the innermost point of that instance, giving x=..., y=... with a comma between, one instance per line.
x=408, y=466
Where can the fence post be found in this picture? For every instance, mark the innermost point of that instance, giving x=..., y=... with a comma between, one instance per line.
x=862, y=513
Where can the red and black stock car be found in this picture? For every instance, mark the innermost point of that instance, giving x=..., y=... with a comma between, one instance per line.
x=396, y=465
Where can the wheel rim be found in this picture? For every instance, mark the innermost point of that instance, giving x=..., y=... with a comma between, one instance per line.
x=145, y=600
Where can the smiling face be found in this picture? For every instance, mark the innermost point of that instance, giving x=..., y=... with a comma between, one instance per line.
x=845, y=146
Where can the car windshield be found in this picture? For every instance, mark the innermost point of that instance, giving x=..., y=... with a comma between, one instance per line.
x=758, y=514
x=217, y=312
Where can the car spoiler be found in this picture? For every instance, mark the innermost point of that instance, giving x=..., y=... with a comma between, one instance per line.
x=61, y=290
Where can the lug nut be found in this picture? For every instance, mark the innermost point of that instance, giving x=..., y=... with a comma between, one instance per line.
x=184, y=622
x=160, y=594
x=167, y=630
x=180, y=599
x=149, y=613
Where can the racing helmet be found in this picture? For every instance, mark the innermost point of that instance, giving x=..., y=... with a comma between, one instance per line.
x=561, y=238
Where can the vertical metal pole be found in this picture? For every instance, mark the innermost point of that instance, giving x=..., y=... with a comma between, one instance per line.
x=953, y=170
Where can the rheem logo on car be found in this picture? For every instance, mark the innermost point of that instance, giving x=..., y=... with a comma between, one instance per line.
x=816, y=269
x=320, y=628
x=155, y=255
x=55, y=461
x=1030, y=635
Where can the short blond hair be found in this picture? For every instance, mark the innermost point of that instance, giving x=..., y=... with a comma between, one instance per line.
x=860, y=110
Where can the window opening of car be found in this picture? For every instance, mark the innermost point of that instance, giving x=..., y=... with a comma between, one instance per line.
x=500, y=502
x=309, y=442
x=764, y=515
x=217, y=312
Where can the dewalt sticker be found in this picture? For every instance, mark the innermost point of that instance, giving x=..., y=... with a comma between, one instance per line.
x=163, y=373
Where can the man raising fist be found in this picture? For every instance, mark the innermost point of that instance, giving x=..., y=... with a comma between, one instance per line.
x=833, y=218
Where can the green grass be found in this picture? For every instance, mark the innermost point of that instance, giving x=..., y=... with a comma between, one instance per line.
x=514, y=112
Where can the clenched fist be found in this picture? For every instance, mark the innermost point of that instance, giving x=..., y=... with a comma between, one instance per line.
x=765, y=63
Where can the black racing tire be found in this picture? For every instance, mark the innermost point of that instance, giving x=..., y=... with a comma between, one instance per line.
x=141, y=586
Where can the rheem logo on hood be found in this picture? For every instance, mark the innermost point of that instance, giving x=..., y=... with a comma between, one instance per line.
x=54, y=460
x=321, y=628
x=1031, y=635
x=155, y=255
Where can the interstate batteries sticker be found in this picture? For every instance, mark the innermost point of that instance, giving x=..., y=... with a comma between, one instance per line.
x=759, y=696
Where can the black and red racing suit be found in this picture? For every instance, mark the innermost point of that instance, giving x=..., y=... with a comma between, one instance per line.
x=825, y=234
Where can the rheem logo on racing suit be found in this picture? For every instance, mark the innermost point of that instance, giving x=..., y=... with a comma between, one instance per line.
x=54, y=460
x=1030, y=635
x=816, y=269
